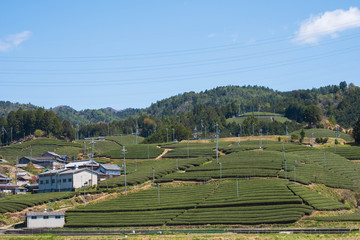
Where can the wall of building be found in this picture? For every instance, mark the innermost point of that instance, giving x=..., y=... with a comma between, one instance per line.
x=84, y=176
x=41, y=222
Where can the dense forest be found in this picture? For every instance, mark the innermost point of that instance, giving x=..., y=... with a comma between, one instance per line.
x=184, y=115
x=19, y=124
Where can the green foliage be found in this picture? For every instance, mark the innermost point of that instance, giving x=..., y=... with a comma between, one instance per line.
x=312, y=114
x=356, y=131
x=325, y=133
x=302, y=135
x=38, y=133
x=19, y=202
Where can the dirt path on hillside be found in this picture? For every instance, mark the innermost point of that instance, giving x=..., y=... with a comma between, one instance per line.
x=166, y=150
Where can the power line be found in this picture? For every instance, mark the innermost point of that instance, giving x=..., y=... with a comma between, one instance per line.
x=182, y=77
x=157, y=54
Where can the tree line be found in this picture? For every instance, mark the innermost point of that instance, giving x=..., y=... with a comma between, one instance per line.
x=40, y=122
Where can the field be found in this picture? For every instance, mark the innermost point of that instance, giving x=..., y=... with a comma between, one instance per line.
x=19, y=202
x=264, y=118
x=246, y=185
x=244, y=202
x=321, y=132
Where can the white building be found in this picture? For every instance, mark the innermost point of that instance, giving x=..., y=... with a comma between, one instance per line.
x=66, y=180
x=45, y=219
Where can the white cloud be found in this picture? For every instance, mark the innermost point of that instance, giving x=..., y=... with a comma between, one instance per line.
x=328, y=23
x=14, y=40
x=211, y=35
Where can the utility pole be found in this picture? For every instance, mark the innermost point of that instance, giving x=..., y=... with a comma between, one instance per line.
x=294, y=171
x=202, y=126
x=11, y=130
x=158, y=193
x=124, y=151
x=220, y=172
x=284, y=161
x=311, y=140
x=153, y=176
x=92, y=161
x=177, y=164
x=260, y=139
x=16, y=170
x=237, y=187
x=286, y=129
x=217, y=142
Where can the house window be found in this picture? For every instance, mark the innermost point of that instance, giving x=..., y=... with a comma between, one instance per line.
x=52, y=181
x=47, y=181
x=46, y=217
x=69, y=180
x=64, y=180
x=41, y=182
x=57, y=217
x=33, y=217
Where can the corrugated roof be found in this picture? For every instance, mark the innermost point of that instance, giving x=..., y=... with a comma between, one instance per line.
x=29, y=214
x=111, y=167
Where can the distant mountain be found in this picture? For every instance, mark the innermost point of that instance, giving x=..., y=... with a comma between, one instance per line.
x=75, y=117
x=90, y=115
x=339, y=103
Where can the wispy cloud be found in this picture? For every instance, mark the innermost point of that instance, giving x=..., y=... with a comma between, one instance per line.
x=14, y=40
x=327, y=24
x=211, y=35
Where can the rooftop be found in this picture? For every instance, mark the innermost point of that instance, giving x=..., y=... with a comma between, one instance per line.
x=111, y=167
x=29, y=214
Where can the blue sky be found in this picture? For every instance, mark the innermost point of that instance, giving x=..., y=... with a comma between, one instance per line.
x=120, y=54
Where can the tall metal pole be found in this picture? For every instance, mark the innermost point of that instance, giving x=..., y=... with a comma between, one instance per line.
x=220, y=172
x=294, y=171
x=153, y=176
x=260, y=139
x=124, y=150
x=237, y=187
x=217, y=142
x=284, y=162
x=137, y=131
x=177, y=164
x=311, y=143
x=92, y=161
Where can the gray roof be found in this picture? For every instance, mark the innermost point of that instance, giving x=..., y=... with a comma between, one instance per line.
x=29, y=214
x=4, y=177
x=66, y=171
x=113, y=167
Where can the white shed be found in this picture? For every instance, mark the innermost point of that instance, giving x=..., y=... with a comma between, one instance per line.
x=45, y=219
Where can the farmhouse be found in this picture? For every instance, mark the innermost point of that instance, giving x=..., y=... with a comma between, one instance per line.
x=64, y=158
x=45, y=219
x=4, y=179
x=90, y=164
x=66, y=180
x=12, y=188
x=46, y=162
x=109, y=170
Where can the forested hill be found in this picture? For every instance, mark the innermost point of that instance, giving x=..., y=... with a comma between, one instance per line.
x=75, y=117
x=339, y=103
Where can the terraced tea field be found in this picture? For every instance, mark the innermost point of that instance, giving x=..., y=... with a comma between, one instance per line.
x=229, y=202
